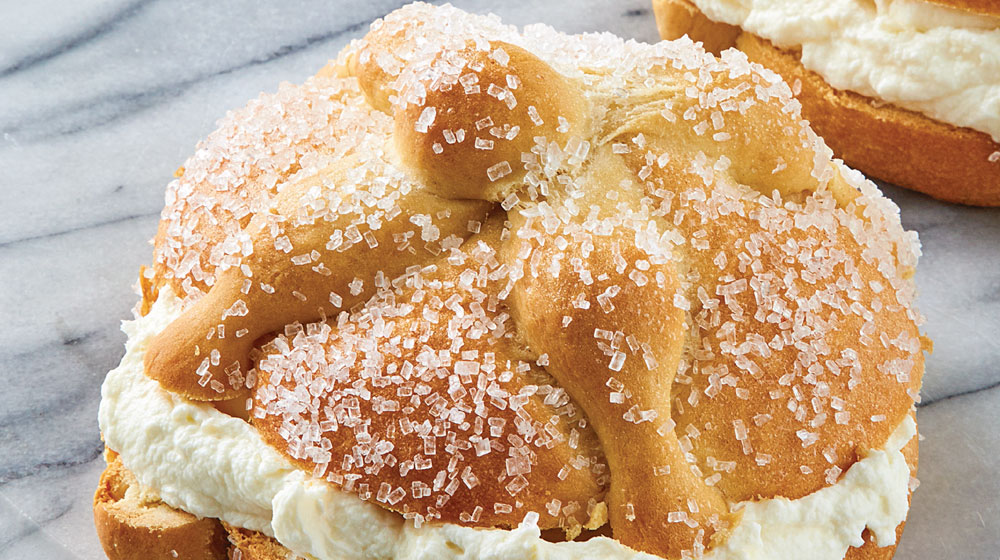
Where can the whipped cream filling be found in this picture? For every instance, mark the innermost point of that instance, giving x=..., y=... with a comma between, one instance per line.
x=213, y=465
x=936, y=60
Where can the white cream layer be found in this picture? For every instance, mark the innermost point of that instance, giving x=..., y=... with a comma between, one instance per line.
x=212, y=465
x=939, y=61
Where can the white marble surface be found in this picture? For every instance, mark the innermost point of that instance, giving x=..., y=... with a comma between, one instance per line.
x=100, y=101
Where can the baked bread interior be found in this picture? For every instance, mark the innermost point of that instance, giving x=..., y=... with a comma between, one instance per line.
x=473, y=291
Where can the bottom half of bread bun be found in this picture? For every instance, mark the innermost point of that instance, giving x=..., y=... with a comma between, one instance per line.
x=132, y=523
x=880, y=139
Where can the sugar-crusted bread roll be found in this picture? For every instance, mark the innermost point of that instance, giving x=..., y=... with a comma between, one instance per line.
x=921, y=144
x=475, y=291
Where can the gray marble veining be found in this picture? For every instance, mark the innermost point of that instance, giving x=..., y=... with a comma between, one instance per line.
x=101, y=101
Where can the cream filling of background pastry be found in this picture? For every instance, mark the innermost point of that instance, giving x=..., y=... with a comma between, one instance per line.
x=213, y=465
x=939, y=61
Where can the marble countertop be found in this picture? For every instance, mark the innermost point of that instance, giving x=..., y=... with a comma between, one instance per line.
x=100, y=101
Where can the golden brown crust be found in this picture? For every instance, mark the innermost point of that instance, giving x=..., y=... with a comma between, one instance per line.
x=460, y=171
x=170, y=359
x=147, y=290
x=480, y=479
x=987, y=7
x=646, y=312
x=175, y=356
x=676, y=18
x=253, y=545
x=880, y=139
x=131, y=526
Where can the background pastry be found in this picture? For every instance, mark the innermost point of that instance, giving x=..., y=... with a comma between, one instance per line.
x=904, y=90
